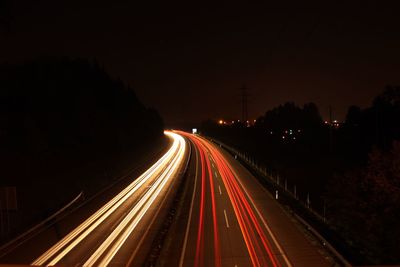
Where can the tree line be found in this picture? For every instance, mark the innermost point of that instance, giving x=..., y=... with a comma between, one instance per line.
x=350, y=169
x=53, y=104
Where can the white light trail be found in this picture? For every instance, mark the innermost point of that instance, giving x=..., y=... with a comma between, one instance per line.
x=164, y=167
x=126, y=227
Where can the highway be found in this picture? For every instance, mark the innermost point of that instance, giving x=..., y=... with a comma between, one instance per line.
x=119, y=233
x=225, y=218
x=229, y=219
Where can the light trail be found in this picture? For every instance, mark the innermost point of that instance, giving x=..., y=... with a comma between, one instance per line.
x=217, y=251
x=118, y=237
x=248, y=222
x=206, y=169
x=161, y=172
x=190, y=212
x=271, y=234
x=200, y=232
x=257, y=243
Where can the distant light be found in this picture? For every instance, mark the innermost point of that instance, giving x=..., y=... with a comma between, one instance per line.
x=335, y=121
x=233, y=121
x=271, y=132
x=283, y=137
x=294, y=137
x=255, y=120
x=326, y=122
x=194, y=131
x=299, y=131
x=221, y=121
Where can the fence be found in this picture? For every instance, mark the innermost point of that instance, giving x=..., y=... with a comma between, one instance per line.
x=281, y=191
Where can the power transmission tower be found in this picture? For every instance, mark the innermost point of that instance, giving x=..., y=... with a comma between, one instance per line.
x=244, y=95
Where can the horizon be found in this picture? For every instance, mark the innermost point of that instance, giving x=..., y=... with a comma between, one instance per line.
x=194, y=57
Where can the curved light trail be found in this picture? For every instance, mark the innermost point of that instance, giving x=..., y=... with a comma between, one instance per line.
x=200, y=234
x=253, y=228
x=157, y=175
x=248, y=222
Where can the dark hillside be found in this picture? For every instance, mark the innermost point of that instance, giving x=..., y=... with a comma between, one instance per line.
x=67, y=126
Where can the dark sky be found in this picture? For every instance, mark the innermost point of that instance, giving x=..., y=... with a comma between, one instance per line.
x=188, y=61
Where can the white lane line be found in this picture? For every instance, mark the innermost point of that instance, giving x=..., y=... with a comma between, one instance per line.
x=283, y=254
x=78, y=234
x=226, y=219
x=119, y=235
x=152, y=221
x=220, y=192
x=191, y=209
x=215, y=172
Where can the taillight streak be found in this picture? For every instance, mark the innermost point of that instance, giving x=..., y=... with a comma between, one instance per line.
x=243, y=210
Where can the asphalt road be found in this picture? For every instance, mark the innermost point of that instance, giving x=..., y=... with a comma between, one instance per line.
x=120, y=232
x=228, y=219
x=225, y=218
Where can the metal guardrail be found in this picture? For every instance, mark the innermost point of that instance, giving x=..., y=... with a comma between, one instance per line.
x=12, y=244
x=323, y=241
x=314, y=232
x=19, y=240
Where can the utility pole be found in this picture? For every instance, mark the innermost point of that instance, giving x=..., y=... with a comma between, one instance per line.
x=244, y=95
x=330, y=130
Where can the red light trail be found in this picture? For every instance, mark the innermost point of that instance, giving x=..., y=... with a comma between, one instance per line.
x=244, y=213
x=258, y=245
x=200, y=236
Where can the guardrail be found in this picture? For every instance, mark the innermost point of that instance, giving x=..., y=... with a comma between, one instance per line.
x=293, y=195
x=19, y=240
x=323, y=241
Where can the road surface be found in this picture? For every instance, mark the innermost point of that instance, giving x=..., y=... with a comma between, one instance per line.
x=122, y=230
x=225, y=218
x=229, y=219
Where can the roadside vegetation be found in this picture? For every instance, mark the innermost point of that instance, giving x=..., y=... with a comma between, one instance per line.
x=67, y=126
x=350, y=171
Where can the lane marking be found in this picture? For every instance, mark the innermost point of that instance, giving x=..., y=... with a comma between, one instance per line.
x=60, y=249
x=220, y=192
x=226, y=219
x=152, y=221
x=118, y=237
x=215, y=172
x=236, y=188
x=281, y=251
x=217, y=254
x=191, y=208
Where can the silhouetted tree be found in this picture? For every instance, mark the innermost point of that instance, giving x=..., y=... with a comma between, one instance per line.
x=353, y=116
x=376, y=125
x=365, y=205
x=70, y=107
x=290, y=116
x=361, y=183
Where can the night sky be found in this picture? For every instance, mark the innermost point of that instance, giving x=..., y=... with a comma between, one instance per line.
x=188, y=61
